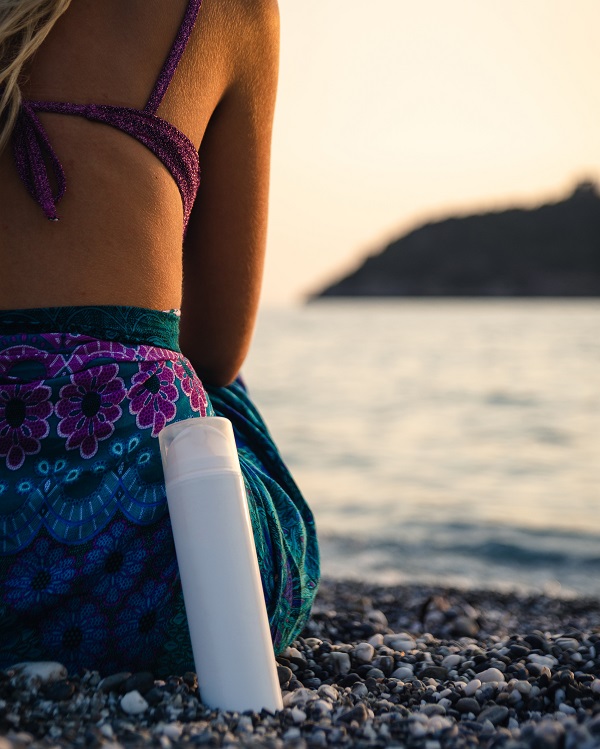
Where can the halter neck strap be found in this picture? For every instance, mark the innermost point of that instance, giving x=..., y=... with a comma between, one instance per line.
x=172, y=61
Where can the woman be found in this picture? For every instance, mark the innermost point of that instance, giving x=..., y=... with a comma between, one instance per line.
x=105, y=105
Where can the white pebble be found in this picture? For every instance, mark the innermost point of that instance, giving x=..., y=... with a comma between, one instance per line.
x=45, y=671
x=107, y=731
x=490, y=675
x=451, y=660
x=470, y=688
x=440, y=723
x=322, y=706
x=300, y=697
x=291, y=734
x=401, y=641
x=172, y=731
x=542, y=660
x=595, y=686
x=378, y=617
x=133, y=703
x=328, y=692
x=376, y=641
x=290, y=653
x=313, y=642
x=298, y=715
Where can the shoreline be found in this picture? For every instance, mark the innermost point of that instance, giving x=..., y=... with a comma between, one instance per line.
x=417, y=666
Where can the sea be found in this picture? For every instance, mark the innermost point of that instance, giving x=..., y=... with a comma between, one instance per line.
x=446, y=441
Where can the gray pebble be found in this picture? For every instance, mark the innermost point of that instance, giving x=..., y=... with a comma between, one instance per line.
x=360, y=690
x=284, y=675
x=384, y=663
x=463, y=626
x=433, y=709
x=403, y=673
x=434, y=672
x=358, y=713
x=141, y=682
x=549, y=733
x=468, y=705
x=376, y=641
x=341, y=662
x=566, y=643
x=114, y=682
x=364, y=652
x=58, y=691
x=375, y=616
x=496, y=714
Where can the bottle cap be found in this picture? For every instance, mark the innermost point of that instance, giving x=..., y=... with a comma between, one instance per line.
x=197, y=445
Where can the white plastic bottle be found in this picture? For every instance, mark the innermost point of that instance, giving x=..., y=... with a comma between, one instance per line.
x=217, y=560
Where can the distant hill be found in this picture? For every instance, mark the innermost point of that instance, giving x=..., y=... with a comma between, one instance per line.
x=553, y=250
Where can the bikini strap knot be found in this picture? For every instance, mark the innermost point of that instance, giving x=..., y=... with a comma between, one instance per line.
x=33, y=154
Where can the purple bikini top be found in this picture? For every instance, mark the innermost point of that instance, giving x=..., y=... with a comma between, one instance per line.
x=33, y=151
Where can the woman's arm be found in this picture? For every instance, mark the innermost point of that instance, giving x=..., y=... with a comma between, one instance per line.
x=224, y=249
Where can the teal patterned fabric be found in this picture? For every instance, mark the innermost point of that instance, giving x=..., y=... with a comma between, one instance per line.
x=115, y=323
x=88, y=574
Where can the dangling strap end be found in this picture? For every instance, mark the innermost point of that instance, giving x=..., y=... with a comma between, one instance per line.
x=30, y=146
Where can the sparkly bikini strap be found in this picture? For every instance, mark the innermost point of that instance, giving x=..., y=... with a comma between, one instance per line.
x=172, y=61
x=40, y=169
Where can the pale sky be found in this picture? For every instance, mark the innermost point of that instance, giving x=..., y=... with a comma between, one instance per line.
x=391, y=112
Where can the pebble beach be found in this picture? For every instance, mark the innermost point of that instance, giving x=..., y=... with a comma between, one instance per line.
x=408, y=666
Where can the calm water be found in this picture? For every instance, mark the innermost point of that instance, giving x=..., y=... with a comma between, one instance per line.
x=449, y=441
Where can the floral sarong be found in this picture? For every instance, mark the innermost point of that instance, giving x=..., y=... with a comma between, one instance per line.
x=88, y=574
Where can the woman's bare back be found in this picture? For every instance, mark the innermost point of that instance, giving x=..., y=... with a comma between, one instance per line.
x=119, y=237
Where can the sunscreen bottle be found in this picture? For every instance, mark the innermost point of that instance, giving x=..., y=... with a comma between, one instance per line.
x=222, y=589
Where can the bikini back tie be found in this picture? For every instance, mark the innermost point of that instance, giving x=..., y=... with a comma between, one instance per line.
x=34, y=155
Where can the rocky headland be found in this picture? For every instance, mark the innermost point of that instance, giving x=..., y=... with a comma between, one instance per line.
x=549, y=251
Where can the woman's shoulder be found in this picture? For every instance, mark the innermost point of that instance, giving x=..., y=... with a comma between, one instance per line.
x=249, y=11
x=241, y=23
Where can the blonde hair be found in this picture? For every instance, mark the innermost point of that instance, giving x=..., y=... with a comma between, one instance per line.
x=24, y=24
